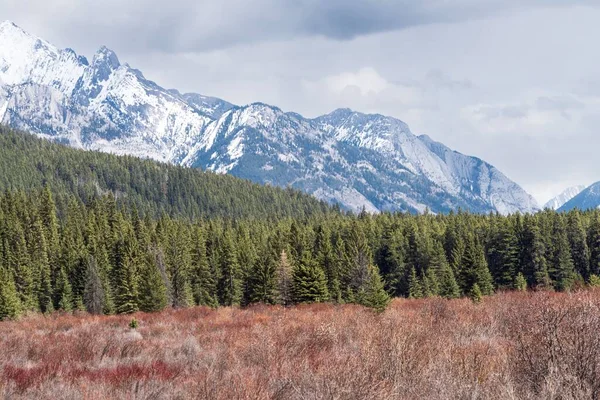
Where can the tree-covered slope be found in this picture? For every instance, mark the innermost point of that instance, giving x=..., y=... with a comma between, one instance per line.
x=28, y=163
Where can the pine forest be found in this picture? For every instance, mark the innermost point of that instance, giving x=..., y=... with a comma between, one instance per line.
x=112, y=235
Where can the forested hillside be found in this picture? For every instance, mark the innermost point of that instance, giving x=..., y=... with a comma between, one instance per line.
x=28, y=163
x=106, y=259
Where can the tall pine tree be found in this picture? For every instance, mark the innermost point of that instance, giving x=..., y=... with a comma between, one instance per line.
x=230, y=282
x=10, y=305
x=309, y=281
x=561, y=269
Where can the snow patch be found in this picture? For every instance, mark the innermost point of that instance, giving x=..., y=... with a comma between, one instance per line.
x=287, y=158
x=236, y=148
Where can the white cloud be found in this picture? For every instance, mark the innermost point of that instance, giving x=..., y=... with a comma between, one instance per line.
x=366, y=80
x=364, y=90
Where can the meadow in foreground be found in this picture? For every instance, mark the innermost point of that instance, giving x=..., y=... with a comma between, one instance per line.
x=512, y=345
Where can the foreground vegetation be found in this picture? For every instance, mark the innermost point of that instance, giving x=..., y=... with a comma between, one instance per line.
x=511, y=345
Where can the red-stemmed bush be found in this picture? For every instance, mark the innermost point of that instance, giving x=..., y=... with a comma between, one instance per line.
x=511, y=345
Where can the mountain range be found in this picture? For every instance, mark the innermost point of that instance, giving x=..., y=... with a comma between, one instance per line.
x=560, y=200
x=577, y=197
x=354, y=159
x=589, y=198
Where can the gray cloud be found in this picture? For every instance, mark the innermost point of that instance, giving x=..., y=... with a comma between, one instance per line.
x=562, y=104
x=440, y=80
x=490, y=113
x=192, y=26
x=558, y=106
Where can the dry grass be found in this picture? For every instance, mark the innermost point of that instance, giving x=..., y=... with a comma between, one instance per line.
x=513, y=345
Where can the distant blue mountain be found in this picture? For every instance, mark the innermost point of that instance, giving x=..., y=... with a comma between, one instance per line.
x=589, y=198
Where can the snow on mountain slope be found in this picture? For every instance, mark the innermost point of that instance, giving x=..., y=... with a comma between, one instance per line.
x=355, y=159
x=210, y=106
x=588, y=198
x=564, y=197
x=25, y=58
x=101, y=105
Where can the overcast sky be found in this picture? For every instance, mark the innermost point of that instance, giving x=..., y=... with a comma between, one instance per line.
x=514, y=82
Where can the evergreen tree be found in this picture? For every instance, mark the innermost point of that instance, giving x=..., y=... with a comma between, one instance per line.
x=230, y=284
x=503, y=254
x=179, y=261
x=474, y=269
x=73, y=255
x=580, y=251
x=41, y=267
x=10, y=305
x=561, y=269
x=125, y=278
x=594, y=281
x=50, y=227
x=93, y=297
x=391, y=262
x=448, y=286
x=533, y=256
x=415, y=287
x=373, y=294
x=99, y=256
x=63, y=292
x=441, y=279
x=309, y=282
x=359, y=260
x=203, y=281
x=326, y=259
x=263, y=281
x=594, y=244
x=247, y=260
x=520, y=283
x=18, y=261
x=475, y=294
x=338, y=262
x=297, y=241
x=457, y=253
x=49, y=219
x=431, y=284
x=152, y=289
x=420, y=248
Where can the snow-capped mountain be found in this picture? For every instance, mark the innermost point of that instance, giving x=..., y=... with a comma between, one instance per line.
x=564, y=197
x=101, y=104
x=355, y=159
x=589, y=198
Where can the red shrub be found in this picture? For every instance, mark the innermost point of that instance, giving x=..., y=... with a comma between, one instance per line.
x=519, y=345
